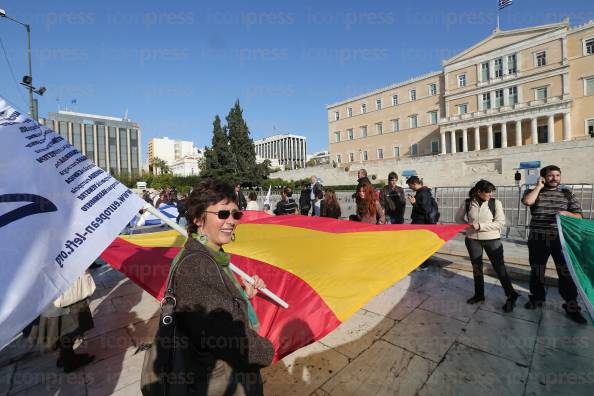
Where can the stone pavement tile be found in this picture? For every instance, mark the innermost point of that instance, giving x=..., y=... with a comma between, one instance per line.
x=31, y=372
x=425, y=333
x=559, y=332
x=303, y=371
x=143, y=332
x=450, y=303
x=555, y=372
x=500, y=335
x=62, y=384
x=320, y=392
x=396, y=303
x=495, y=300
x=101, y=306
x=110, y=375
x=5, y=376
x=467, y=371
x=357, y=333
x=383, y=369
x=107, y=344
x=122, y=288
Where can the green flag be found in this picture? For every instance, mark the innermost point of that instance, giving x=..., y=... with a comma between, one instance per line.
x=577, y=240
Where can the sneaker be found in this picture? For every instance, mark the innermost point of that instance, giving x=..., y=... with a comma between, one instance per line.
x=510, y=303
x=475, y=299
x=533, y=304
x=575, y=315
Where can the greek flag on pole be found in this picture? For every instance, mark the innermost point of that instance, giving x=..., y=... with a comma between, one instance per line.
x=504, y=3
x=58, y=212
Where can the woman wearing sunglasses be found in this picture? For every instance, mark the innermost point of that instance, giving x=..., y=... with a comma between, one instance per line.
x=215, y=322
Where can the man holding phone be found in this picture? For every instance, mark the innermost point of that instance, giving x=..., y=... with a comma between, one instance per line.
x=546, y=200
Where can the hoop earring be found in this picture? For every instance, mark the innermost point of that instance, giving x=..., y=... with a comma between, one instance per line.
x=233, y=237
x=201, y=236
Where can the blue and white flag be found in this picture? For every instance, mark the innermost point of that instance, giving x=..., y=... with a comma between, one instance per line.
x=504, y=3
x=148, y=218
x=58, y=212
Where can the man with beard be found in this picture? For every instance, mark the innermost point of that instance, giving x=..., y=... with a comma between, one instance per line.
x=546, y=200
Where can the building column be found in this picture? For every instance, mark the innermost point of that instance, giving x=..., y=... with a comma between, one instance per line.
x=490, y=136
x=503, y=134
x=465, y=140
x=551, y=129
x=518, y=133
x=477, y=138
x=534, y=130
x=443, y=142
x=453, y=141
x=567, y=126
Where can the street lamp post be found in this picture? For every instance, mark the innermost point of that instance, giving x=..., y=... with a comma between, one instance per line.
x=27, y=80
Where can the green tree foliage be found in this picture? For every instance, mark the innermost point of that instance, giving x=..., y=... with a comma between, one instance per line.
x=160, y=166
x=242, y=146
x=219, y=161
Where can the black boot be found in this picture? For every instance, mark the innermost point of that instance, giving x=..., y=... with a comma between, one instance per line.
x=71, y=361
x=532, y=303
x=475, y=299
x=511, y=302
x=573, y=312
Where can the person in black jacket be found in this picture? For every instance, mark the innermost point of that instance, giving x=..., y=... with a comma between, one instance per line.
x=305, y=200
x=421, y=205
x=361, y=179
x=393, y=200
x=240, y=198
x=421, y=201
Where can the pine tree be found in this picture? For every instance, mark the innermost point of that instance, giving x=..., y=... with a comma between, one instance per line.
x=242, y=147
x=219, y=161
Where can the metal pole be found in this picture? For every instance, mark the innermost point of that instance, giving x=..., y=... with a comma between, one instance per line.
x=31, y=106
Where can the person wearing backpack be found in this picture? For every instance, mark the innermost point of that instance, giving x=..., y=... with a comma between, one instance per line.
x=424, y=207
x=486, y=219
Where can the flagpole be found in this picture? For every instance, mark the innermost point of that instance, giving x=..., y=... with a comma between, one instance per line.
x=156, y=212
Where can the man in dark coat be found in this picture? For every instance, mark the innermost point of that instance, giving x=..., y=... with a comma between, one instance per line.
x=240, y=198
x=393, y=200
x=421, y=205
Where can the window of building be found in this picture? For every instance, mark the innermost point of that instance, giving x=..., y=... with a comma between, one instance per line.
x=462, y=80
x=76, y=137
x=101, y=159
x=414, y=149
x=498, y=67
x=338, y=158
x=486, y=101
x=499, y=98
x=590, y=127
x=351, y=157
x=396, y=152
x=541, y=58
x=512, y=65
x=380, y=153
x=364, y=131
x=435, y=147
x=463, y=108
x=336, y=115
x=349, y=111
x=412, y=94
x=63, y=129
x=123, y=151
x=589, y=46
x=589, y=86
x=394, y=100
x=378, y=104
x=365, y=158
x=432, y=89
x=337, y=137
x=433, y=117
x=379, y=128
x=134, y=151
x=89, y=143
x=113, y=159
x=396, y=125
x=412, y=121
x=540, y=93
x=512, y=93
x=363, y=108
x=485, y=71
x=350, y=134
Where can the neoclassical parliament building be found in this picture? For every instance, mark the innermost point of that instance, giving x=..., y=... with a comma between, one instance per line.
x=522, y=87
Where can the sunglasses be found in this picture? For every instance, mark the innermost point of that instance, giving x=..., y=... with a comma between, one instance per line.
x=224, y=214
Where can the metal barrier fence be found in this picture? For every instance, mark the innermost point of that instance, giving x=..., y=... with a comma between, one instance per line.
x=449, y=199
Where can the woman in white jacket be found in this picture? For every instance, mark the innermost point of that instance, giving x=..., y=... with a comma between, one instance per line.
x=486, y=219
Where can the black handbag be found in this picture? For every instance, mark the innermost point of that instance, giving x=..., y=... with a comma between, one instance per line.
x=164, y=366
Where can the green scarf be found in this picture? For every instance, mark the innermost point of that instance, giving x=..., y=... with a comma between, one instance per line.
x=222, y=260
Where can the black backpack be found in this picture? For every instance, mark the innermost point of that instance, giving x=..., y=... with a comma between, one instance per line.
x=491, y=206
x=433, y=215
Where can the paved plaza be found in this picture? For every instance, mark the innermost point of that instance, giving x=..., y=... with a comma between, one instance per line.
x=419, y=337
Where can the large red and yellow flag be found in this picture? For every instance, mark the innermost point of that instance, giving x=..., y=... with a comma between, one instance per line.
x=325, y=269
